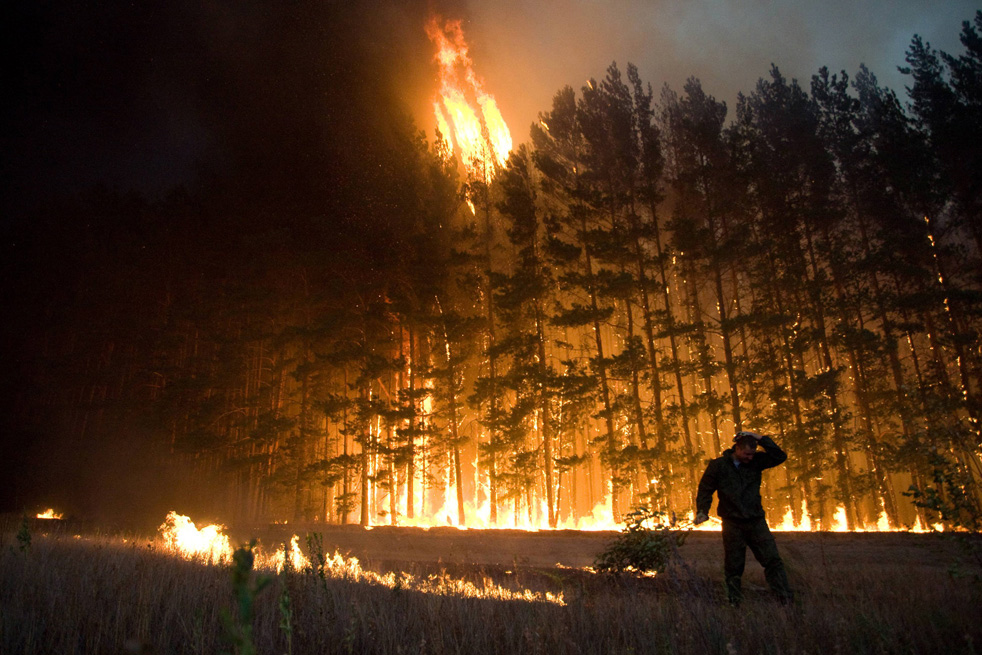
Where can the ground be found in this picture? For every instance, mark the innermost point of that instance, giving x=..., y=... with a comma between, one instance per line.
x=485, y=591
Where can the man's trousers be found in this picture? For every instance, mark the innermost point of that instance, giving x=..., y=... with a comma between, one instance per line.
x=737, y=536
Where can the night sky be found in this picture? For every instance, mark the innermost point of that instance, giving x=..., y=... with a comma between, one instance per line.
x=149, y=95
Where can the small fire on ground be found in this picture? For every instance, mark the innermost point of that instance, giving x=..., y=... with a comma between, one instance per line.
x=839, y=523
x=210, y=545
x=50, y=514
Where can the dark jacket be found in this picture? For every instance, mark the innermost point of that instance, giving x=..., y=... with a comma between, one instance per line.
x=738, y=488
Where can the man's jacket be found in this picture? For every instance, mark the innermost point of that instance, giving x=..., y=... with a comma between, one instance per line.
x=738, y=488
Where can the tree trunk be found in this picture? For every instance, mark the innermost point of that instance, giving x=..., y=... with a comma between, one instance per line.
x=676, y=362
x=411, y=440
x=366, y=395
x=608, y=413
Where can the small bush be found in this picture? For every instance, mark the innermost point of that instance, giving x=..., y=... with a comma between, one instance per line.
x=648, y=543
x=24, y=536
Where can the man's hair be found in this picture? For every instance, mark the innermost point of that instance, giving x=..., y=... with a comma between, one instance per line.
x=746, y=440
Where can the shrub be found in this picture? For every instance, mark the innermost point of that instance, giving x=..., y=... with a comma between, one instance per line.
x=24, y=536
x=648, y=543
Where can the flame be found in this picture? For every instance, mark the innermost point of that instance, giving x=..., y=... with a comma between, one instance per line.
x=787, y=523
x=50, y=514
x=182, y=537
x=349, y=568
x=298, y=561
x=601, y=517
x=467, y=116
x=210, y=544
x=920, y=527
x=478, y=515
x=839, y=523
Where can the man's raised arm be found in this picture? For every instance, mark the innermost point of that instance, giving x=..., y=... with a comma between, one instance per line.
x=772, y=455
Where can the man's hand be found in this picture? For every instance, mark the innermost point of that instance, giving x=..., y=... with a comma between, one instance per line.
x=748, y=433
x=701, y=517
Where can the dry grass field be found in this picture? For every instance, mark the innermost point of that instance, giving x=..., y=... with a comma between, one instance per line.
x=477, y=592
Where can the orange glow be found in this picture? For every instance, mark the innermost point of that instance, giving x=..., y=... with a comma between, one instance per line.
x=601, y=519
x=467, y=116
x=50, y=514
x=840, y=523
x=349, y=568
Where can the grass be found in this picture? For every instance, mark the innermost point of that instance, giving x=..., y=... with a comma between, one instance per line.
x=101, y=594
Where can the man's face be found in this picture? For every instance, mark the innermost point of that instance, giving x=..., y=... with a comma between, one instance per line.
x=744, y=453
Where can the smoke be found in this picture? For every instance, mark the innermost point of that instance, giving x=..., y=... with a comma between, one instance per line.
x=528, y=50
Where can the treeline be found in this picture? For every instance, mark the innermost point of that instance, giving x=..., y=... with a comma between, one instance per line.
x=643, y=279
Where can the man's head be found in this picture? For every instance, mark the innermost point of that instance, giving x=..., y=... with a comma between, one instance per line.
x=744, y=447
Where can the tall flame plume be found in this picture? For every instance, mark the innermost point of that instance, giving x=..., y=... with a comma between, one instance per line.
x=467, y=116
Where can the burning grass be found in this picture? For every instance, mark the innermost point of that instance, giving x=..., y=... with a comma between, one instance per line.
x=865, y=593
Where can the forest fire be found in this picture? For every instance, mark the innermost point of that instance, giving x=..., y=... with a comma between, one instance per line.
x=467, y=116
x=479, y=518
x=585, y=383
x=640, y=282
x=840, y=523
x=358, y=326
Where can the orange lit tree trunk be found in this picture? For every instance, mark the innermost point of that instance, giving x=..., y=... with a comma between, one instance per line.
x=413, y=428
x=488, y=394
x=365, y=393
x=527, y=291
x=457, y=336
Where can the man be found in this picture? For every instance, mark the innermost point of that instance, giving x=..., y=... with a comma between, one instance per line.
x=735, y=478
